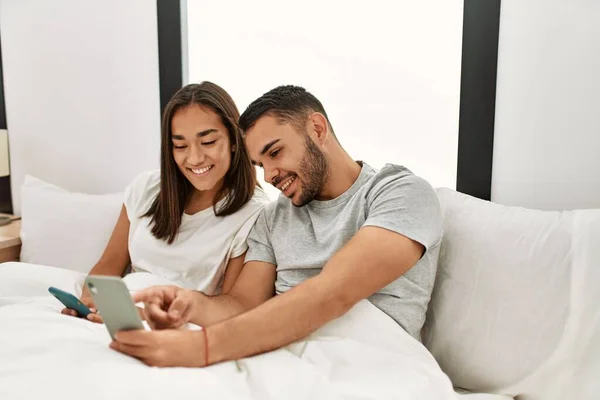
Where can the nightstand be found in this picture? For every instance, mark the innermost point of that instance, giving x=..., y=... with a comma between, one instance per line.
x=10, y=241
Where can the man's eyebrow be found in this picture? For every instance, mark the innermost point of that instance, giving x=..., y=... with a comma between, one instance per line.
x=264, y=150
x=268, y=146
x=199, y=134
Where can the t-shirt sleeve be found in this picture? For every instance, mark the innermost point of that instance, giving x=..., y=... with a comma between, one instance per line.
x=140, y=193
x=240, y=243
x=259, y=241
x=406, y=204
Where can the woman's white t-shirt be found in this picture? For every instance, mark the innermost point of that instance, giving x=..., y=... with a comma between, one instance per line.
x=198, y=257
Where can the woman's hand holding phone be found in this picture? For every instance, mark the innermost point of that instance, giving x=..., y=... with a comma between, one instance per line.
x=88, y=301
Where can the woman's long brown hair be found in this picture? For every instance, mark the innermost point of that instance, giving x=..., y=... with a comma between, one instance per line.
x=175, y=190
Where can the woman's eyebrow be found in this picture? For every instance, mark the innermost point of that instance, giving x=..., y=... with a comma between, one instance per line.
x=206, y=132
x=199, y=134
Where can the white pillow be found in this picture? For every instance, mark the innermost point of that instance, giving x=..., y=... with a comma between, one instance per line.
x=65, y=229
x=515, y=305
x=501, y=299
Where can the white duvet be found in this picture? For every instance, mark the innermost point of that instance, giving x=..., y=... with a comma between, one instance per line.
x=44, y=354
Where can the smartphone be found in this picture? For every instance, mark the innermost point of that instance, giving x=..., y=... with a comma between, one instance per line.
x=114, y=303
x=70, y=301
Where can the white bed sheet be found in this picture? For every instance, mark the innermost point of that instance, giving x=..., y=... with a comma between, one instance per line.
x=43, y=354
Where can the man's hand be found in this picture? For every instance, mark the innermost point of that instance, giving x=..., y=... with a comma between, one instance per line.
x=89, y=303
x=166, y=306
x=166, y=348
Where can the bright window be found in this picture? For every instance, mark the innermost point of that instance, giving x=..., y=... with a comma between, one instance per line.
x=387, y=72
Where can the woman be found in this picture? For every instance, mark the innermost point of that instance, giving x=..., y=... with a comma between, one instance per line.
x=188, y=222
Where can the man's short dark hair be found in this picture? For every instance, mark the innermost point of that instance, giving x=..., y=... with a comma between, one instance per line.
x=288, y=103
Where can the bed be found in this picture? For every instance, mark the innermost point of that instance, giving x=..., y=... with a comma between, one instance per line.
x=513, y=314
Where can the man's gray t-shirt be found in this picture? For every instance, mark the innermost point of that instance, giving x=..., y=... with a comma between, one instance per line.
x=301, y=240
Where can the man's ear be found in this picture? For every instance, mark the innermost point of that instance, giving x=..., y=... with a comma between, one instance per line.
x=320, y=127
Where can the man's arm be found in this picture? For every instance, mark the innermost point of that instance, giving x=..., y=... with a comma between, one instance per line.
x=171, y=306
x=254, y=286
x=371, y=260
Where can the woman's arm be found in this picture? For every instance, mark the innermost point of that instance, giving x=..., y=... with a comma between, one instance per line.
x=114, y=260
x=234, y=267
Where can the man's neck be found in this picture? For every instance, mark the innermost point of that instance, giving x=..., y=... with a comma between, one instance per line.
x=343, y=172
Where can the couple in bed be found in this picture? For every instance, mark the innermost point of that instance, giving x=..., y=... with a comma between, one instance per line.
x=259, y=276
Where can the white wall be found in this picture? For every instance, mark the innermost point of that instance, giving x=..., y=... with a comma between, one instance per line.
x=387, y=72
x=82, y=91
x=547, y=131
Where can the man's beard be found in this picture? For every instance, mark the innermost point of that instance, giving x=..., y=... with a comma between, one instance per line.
x=315, y=172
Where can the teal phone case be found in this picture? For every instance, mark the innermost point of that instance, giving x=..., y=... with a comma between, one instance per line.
x=70, y=301
x=114, y=303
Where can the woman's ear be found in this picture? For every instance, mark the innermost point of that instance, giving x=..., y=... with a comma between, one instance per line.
x=233, y=148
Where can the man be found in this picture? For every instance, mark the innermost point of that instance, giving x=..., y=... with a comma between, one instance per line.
x=341, y=232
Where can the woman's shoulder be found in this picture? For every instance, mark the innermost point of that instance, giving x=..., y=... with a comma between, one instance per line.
x=142, y=190
x=147, y=181
x=260, y=196
x=256, y=203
